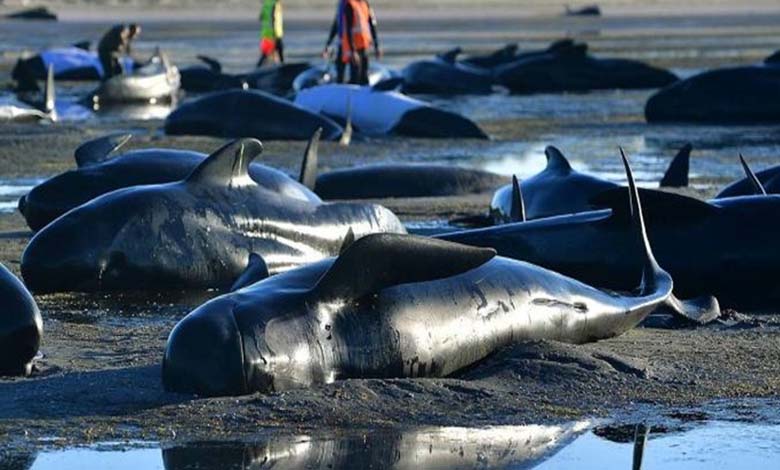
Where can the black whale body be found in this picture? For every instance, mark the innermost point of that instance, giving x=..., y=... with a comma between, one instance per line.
x=191, y=234
x=21, y=326
x=404, y=180
x=734, y=95
x=393, y=306
x=98, y=173
x=208, y=77
x=572, y=69
x=709, y=248
x=769, y=178
x=443, y=75
x=559, y=189
x=248, y=113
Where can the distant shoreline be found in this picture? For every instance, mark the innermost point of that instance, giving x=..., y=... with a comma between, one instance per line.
x=457, y=9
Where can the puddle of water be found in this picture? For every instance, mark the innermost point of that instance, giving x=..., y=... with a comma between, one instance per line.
x=12, y=189
x=704, y=445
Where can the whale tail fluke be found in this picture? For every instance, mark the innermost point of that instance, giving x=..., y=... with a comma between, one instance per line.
x=755, y=183
x=308, y=175
x=676, y=175
x=517, y=211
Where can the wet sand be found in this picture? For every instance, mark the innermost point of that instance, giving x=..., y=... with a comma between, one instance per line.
x=99, y=377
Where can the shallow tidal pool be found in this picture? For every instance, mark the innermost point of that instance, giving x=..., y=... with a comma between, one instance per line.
x=581, y=445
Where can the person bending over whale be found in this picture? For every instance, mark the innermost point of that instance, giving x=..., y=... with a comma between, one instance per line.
x=114, y=44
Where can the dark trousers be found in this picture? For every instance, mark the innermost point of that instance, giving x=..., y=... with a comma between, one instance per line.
x=358, y=73
x=111, y=66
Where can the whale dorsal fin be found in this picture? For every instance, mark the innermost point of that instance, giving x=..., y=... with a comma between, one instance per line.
x=378, y=261
x=256, y=270
x=659, y=206
x=676, y=175
x=451, y=55
x=556, y=162
x=308, y=176
x=229, y=165
x=755, y=183
x=349, y=239
x=773, y=59
x=517, y=211
x=213, y=63
x=99, y=150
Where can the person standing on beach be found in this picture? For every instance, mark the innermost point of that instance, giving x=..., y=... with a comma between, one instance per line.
x=355, y=25
x=114, y=45
x=271, y=31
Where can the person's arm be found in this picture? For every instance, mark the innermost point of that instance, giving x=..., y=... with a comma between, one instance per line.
x=350, y=17
x=333, y=31
x=374, y=34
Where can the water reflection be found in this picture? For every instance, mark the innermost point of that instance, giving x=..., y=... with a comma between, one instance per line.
x=692, y=445
x=12, y=189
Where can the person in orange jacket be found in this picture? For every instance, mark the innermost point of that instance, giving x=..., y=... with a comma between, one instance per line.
x=355, y=25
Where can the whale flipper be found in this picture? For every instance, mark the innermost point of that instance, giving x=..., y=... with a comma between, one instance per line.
x=755, y=183
x=308, y=176
x=256, y=270
x=676, y=175
x=556, y=162
x=378, y=261
x=99, y=150
x=517, y=212
x=229, y=165
x=213, y=63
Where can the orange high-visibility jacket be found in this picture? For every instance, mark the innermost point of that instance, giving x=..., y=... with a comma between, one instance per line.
x=361, y=29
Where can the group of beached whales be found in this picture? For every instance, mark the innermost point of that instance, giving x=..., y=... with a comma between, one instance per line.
x=322, y=291
x=745, y=94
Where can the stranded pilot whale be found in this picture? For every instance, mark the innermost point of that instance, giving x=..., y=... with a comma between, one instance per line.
x=732, y=95
x=394, y=306
x=193, y=233
x=376, y=113
x=248, y=113
x=100, y=172
x=572, y=69
x=21, y=326
x=559, y=189
x=708, y=247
